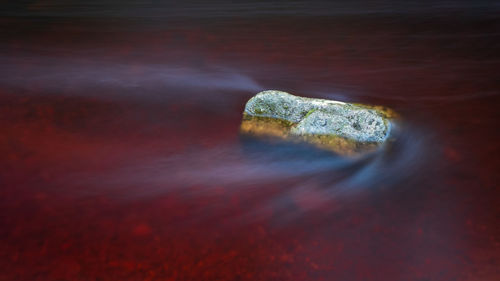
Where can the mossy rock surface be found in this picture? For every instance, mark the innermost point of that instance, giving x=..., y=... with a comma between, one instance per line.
x=341, y=127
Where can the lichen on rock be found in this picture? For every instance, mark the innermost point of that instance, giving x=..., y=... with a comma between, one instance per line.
x=344, y=128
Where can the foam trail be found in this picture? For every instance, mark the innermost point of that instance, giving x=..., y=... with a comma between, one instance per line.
x=249, y=166
x=81, y=77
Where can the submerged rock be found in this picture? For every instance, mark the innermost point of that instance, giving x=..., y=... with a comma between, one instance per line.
x=344, y=128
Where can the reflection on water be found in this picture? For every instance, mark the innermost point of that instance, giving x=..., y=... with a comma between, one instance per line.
x=123, y=161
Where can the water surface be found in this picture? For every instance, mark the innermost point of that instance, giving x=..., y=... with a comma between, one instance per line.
x=122, y=158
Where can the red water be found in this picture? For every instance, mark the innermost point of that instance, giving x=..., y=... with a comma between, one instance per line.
x=122, y=158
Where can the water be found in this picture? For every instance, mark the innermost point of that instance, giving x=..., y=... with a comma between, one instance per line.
x=122, y=158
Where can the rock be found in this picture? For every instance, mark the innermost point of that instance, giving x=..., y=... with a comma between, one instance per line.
x=344, y=128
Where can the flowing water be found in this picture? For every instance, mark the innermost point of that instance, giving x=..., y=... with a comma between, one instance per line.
x=122, y=158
